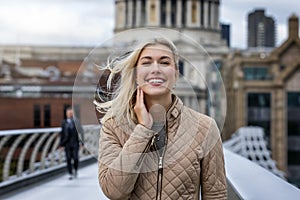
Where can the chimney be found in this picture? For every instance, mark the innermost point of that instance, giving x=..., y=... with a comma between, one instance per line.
x=293, y=26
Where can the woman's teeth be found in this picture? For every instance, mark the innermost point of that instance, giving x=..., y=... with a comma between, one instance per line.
x=155, y=81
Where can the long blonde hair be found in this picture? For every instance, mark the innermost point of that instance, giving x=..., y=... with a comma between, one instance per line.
x=121, y=101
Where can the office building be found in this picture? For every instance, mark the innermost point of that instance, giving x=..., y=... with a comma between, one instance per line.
x=261, y=30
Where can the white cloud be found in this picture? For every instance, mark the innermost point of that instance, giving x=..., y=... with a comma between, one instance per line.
x=282, y=33
x=56, y=22
x=89, y=22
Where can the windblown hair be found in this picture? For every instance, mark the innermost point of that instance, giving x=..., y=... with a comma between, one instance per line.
x=120, y=88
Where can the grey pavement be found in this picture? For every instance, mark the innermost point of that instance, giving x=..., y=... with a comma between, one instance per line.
x=85, y=186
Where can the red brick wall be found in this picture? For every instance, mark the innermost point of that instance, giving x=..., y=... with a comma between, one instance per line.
x=19, y=113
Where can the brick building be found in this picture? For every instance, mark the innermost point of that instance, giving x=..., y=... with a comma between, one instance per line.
x=36, y=85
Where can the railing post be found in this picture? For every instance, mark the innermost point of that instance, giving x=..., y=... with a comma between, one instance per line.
x=23, y=153
x=35, y=151
x=4, y=140
x=45, y=150
x=53, y=154
x=9, y=156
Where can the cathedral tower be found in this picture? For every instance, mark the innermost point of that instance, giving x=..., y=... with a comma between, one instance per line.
x=197, y=18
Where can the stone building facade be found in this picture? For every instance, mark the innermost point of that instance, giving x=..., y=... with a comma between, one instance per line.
x=263, y=90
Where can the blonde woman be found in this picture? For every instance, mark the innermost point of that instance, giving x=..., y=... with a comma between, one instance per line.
x=152, y=146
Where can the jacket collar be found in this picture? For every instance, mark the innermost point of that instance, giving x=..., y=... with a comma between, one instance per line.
x=174, y=110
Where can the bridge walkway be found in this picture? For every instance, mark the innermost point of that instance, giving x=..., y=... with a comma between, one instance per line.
x=85, y=186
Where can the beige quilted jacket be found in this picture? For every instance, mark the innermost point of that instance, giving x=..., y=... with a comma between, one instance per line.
x=192, y=165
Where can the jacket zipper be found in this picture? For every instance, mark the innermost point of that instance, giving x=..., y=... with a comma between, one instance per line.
x=149, y=144
x=160, y=167
x=159, y=178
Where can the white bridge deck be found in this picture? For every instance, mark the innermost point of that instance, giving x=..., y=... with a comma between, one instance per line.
x=84, y=187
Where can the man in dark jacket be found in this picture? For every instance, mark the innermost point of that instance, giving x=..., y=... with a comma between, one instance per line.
x=70, y=140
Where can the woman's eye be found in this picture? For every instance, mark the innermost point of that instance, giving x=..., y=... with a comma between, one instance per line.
x=146, y=63
x=165, y=63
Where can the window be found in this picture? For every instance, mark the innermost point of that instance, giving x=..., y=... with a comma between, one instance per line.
x=47, y=115
x=256, y=73
x=293, y=127
x=37, y=116
x=202, y=12
x=173, y=12
x=293, y=157
x=259, y=111
x=183, y=12
x=293, y=113
x=163, y=12
x=294, y=99
x=261, y=100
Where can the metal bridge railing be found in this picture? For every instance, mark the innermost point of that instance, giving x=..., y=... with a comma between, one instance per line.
x=27, y=151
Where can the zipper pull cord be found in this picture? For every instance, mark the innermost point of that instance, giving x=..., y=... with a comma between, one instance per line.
x=160, y=163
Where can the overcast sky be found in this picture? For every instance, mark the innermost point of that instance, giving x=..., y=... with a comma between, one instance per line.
x=90, y=22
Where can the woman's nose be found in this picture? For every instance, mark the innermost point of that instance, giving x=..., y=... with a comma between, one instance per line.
x=155, y=67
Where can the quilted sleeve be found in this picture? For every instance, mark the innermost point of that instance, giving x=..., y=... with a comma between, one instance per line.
x=118, y=166
x=213, y=178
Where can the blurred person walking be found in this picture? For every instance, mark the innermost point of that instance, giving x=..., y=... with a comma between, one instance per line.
x=70, y=141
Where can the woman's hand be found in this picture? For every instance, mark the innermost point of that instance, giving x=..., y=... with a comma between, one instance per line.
x=143, y=116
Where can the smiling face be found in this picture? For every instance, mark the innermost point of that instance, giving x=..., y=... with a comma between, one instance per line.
x=156, y=70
